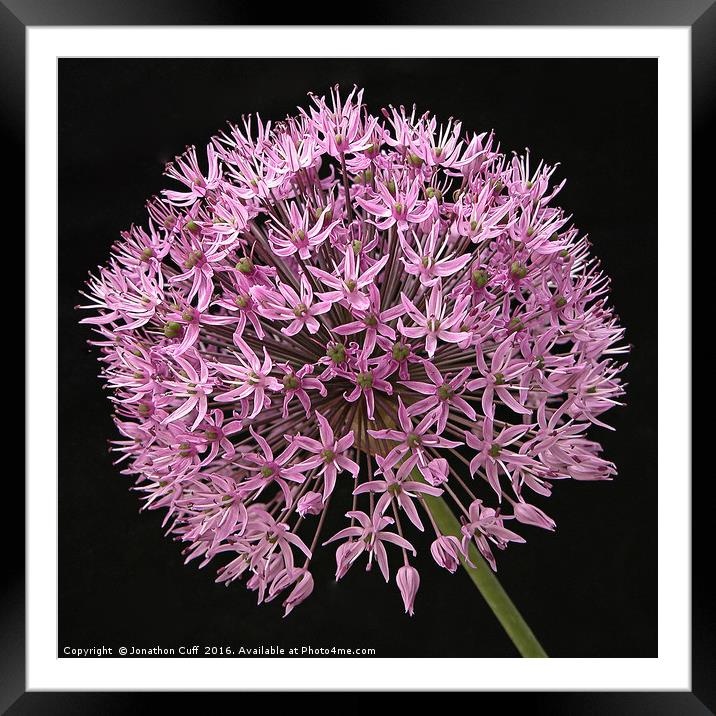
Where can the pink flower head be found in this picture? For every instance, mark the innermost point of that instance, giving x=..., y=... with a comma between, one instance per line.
x=252, y=379
x=368, y=377
x=195, y=385
x=348, y=287
x=359, y=313
x=266, y=469
x=436, y=323
x=328, y=454
x=443, y=393
x=341, y=126
x=485, y=526
x=301, y=236
x=185, y=170
x=397, y=487
x=497, y=379
x=414, y=443
x=431, y=259
x=296, y=383
x=368, y=535
x=400, y=205
x=299, y=309
x=371, y=322
x=493, y=453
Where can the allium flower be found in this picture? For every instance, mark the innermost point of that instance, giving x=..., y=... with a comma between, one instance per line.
x=358, y=313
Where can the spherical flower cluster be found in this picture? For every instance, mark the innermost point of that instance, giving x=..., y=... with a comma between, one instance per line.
x=357, y=312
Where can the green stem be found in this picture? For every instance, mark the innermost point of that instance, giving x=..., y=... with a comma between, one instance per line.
x=486, y=581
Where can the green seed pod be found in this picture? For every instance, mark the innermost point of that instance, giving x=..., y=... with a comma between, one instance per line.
x=245, y=265
x=337, y=353
x=480, y=278
x=172, y=329
x=518, y=270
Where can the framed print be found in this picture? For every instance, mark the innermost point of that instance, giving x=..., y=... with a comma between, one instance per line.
x=354, y=348
x=88, y=85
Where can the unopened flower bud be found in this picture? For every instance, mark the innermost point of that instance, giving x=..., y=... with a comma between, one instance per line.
x=302, y=590
x=310, y=504
x=531, y=515
x=408, y=581
x=446, y=551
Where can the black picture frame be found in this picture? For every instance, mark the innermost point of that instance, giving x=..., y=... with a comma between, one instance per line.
x=699, y=15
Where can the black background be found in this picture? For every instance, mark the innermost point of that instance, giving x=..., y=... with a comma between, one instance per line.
x=587, y=590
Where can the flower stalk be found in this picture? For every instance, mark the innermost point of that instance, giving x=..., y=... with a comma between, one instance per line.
x=487, y=583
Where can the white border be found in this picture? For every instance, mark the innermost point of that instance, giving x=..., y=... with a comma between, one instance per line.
x=668, y=672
